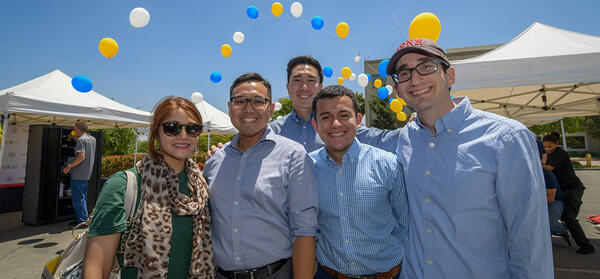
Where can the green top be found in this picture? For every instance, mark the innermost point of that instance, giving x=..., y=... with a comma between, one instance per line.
x=109, y=218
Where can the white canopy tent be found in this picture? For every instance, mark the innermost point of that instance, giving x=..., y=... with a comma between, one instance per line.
x=214, y=120
x=50, y=99
x=545, y=72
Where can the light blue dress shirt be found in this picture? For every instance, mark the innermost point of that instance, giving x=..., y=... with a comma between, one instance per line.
x=261, y=201
x=363, y=212
x=477, y=198
x=292, y=126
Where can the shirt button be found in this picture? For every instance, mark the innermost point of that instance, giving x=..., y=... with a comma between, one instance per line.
x=235, y=230
x=236, y=202
x=239, y=178
x=431, y=144
x=343, y=217
x=449, y=130
x=426, y=200
x=237, y=259
x=341, y=194
x=244, y=156
x=429, y=230
x=340, y=171
x=427, y=172
x=347, y=241
x=353, y=263
x=429, y=262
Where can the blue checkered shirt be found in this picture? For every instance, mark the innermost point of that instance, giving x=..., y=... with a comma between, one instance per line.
x=363, y=211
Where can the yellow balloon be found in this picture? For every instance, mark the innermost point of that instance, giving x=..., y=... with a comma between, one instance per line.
x=401, y=116
x=108, y=47
x=377, y=83
x=346, y=72
x=425, y=26
x=402, y=101
x=340, y=80
x=396, y=106
x=342, y=29
x=226, y=50
x=277, y=9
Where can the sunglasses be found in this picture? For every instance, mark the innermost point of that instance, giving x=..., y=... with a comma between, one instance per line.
x=174, y=128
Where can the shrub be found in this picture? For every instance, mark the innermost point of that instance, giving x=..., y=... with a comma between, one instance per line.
x=114, y=163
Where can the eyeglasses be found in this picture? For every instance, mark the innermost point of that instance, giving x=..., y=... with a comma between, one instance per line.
x=424, y=68
x=256, y=101
x=174, y=128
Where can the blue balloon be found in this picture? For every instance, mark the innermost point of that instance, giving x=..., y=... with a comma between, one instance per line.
x=327, y=71
x=382, y=66
x=382, y=93
x=390, y=101
x=451, y=97
x=252, y=12
x=81, y=83
x=215, y=77
x=369, y=76
x=317, y=22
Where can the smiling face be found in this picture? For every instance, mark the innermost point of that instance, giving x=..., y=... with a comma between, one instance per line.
x=336, y=122
x=303, y=86
x=550, y=147
x=429, y=94
x=250, y=120
x=176, y=148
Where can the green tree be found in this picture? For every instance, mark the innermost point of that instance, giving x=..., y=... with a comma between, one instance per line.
x=571, y=124
x=118, y=141
x=592, y=126
x=286, y=108
x=214, y=139
x=360, y=99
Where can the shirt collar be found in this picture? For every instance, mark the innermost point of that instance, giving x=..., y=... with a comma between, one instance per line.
x=453, y=119
x=297, y=117
x=349, y=158
x=268, y=136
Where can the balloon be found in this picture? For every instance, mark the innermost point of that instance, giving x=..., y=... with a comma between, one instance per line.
x=317, y=22
x=252, y=12
x=226, y=50
x=382, y=66
x=401, y=116
x=390, y=88
x=276, y=9
x=352, y=76
x=390, y=100
x=396, y=106
x=357, y=59
x=238, y=37
x=327, y=71
x=81, y=83
x=402, y=101
x=197, y=97
x=369, y=76
x=342, y=29
x=362, y=80
x=377, y=83
x=215, y=77
x=451, y=97
x=425, y=26
x=108, y=47
x=139, y=17
x=382, y=93
x=340, y=80
x=346, y=72
x=277, y=106
x=296, y=9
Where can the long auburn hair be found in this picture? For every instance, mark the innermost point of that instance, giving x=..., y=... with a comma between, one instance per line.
x=162, y=109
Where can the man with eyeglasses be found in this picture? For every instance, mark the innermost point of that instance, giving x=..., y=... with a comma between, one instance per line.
x=263, y=194
x=304, y=81
x=475, y=190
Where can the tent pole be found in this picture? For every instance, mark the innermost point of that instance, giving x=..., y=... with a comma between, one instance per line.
x=4, y=133
x=136, y=146
x=564, y=138
x=208, y=145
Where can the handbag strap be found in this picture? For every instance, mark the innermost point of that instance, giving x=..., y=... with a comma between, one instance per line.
x=131, y=193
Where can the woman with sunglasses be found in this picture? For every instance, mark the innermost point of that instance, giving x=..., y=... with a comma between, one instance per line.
x=559, y=162
x=170, y=233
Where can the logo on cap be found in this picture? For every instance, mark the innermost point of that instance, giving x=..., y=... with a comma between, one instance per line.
x=409, y=43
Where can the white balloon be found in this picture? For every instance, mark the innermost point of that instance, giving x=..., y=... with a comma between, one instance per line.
x=139, y=17
x=238, y=37
x=352, y=76
x=197, y=97
x=362, y=80
x=390, y=89
x=296, y=9
x=277, y=106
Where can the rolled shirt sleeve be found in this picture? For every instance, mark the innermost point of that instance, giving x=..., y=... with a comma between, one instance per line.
x=302, y=196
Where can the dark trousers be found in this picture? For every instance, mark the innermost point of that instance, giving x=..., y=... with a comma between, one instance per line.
x=322, y=274
x=569, y=216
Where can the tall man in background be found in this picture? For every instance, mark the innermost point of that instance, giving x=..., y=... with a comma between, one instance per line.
x=81, y=170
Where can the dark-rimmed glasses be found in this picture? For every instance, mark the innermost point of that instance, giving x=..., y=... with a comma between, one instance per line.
x=256, y=101
x=424, y=68
x=174, y=128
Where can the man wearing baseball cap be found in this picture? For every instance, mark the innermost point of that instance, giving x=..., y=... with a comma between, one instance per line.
x=475, y=190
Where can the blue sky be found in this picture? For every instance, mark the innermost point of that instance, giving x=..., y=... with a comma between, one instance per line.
x=180, y=47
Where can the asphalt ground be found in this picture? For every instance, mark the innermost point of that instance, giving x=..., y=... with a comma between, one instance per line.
x=24, y=249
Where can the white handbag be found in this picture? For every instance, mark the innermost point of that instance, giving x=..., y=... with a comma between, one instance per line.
x=69, y=265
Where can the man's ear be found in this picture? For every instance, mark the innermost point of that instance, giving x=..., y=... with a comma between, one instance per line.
x=450, y=76
x=358, y=119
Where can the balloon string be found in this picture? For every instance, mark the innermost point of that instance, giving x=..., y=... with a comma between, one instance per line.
x=394, y=17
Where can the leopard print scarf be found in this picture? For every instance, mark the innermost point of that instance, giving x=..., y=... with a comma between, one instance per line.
x=149, y=242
